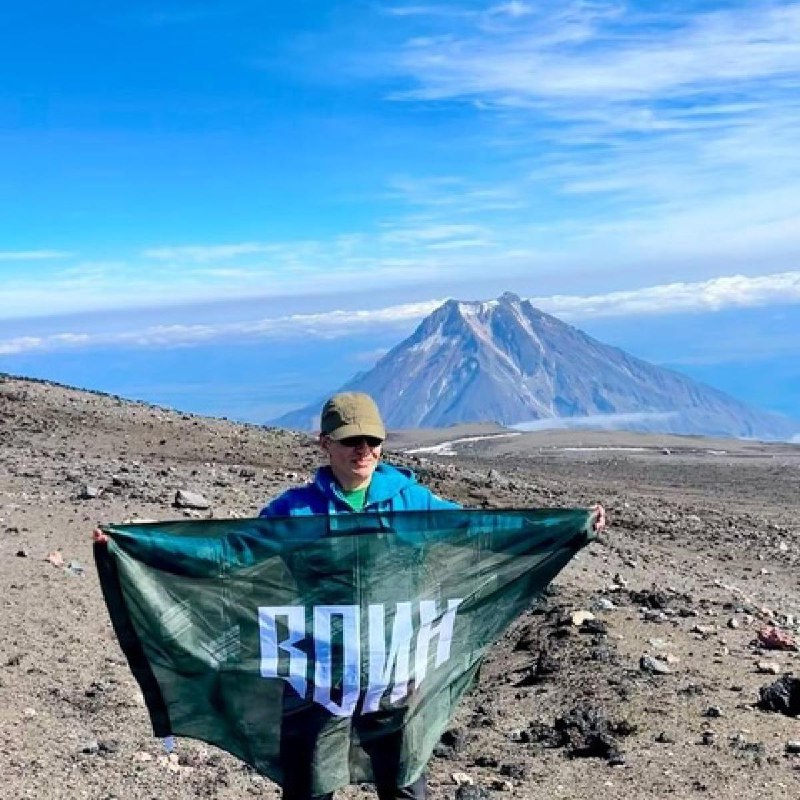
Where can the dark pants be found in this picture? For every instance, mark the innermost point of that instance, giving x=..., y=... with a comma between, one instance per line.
x=382, y=745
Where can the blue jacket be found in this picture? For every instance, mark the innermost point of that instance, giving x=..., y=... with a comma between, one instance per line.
x=391, y=489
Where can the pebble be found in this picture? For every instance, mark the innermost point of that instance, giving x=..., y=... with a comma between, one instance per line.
x=654, y=665
x=192, y=500
x=793, y=747
x=28, y=713
x=462, y=779
x=579, y=617
x=471, y=793
x=769, y=667
x=75, y=568
x=21, y=553
x=500, y=785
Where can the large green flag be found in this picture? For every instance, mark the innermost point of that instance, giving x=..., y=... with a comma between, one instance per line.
x=340, y=636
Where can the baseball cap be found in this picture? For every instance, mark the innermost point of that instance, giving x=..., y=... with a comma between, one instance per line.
x=351, y=414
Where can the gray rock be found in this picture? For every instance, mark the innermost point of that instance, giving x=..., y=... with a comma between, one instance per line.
x=186, y=499
x=471, y=793
x=655, y=666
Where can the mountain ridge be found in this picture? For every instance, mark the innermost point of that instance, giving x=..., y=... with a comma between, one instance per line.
x=508, y=362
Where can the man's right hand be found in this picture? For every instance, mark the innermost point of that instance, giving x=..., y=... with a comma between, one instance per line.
x=98, y=537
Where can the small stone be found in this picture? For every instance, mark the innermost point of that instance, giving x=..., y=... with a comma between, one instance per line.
x=713, y=711
x=471, y=793
x=88, y=492
x=733, y=623
x=772, y=638
x=21, y=553
x=141, y=755
x=782, y=696
x=793, y=747
x=516, y=771
x=501, y=785
x=707, y=738
x=92, y=747
x=594, y=626
x=191, y=500
x=655, y=666
x=76, y=568
x=29, y=712
x=579, y=617
x=768, y=667
x=462, y=779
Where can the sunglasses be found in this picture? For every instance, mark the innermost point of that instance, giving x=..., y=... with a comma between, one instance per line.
x=356, y=441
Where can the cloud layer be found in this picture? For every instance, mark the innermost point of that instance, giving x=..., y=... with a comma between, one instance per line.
x=734, y=291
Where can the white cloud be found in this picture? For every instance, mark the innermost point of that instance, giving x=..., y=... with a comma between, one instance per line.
x=32, y=255
x=733, y=291
x=204, y=253
x=603, y=421
x=595, y=53
x=438, y=234
x=328, y=324
x=514, y=8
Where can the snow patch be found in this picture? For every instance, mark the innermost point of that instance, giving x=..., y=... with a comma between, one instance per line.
x=447, y=448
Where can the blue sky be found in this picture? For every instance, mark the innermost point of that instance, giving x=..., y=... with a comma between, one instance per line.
x=232, y=209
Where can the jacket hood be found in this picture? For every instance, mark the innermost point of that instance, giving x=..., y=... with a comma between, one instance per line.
x=387, y=482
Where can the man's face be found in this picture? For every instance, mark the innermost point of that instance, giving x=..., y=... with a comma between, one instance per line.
x=352, y=460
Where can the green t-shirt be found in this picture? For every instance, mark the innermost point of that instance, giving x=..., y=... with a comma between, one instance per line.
x=356, y=499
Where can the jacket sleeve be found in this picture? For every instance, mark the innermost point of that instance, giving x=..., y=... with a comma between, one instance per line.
x=276, y=507
x=429, y=501
x=439, y=503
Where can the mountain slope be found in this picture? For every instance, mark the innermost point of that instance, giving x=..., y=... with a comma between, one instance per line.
x=508, y=362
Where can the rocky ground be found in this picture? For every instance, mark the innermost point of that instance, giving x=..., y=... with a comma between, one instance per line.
x=639, y=675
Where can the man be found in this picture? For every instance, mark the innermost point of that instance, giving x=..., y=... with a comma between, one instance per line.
x=354, y=480
x=351, y=436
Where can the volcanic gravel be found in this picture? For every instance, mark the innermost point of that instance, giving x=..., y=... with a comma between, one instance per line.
x=638, y=674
